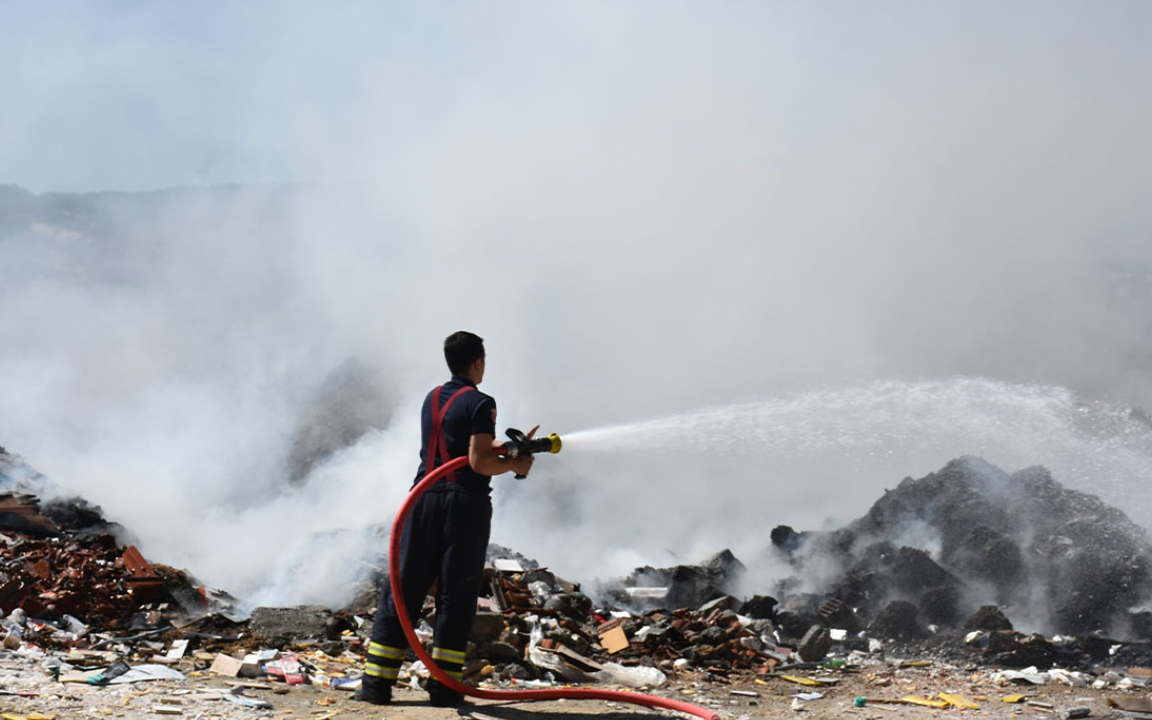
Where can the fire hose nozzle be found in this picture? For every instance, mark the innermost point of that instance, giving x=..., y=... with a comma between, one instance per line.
x=519, y=444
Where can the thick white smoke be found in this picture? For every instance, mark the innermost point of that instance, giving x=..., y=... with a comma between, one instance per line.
x=644, y=210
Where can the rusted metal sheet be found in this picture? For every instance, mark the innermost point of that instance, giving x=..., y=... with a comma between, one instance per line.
x=143, y=582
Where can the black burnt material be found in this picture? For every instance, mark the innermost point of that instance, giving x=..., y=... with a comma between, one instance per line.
x=973, y=535
x=792, y=625
x=835, y=614
x=898, y=620
x=690, y=586
x=990, y=556
x=941, y=606
x=988, y=618
x=759, y=607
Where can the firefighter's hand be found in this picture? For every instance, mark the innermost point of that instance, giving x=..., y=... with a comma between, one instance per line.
x=523, y=465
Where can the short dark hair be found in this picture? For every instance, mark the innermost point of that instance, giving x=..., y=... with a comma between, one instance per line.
x=461, y=349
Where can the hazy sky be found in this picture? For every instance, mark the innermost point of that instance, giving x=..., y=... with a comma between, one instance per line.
x=646, y=208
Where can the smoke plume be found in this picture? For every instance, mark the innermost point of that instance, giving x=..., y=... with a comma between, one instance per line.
x=833, y=245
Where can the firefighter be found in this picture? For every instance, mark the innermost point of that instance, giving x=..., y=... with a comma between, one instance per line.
x=446, y=537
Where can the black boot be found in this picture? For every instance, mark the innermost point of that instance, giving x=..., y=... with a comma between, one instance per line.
x=440, y=695
x=374, y=690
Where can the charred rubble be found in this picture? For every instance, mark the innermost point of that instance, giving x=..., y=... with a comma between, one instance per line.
x=949, y=558
x=972, y=535
x=950, y=566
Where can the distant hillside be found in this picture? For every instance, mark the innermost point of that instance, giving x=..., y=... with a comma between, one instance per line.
x=111, y=235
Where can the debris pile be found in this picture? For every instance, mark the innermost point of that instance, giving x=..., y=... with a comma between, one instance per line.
x=941, y=569
x=971, y=535
x=68, y=582
x=58, y=577
x=937, y=566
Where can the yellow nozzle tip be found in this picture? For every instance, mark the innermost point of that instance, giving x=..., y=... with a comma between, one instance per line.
x=555, y=443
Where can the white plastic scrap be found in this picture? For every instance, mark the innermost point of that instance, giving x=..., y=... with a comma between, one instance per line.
x=1031, y=675
x=858, y=658
x=424, y=632
x=1108, y=679
x=540, y=591
x=417, y=669
x=235, y=696
x=1068, y=677
x=146, y=673
x=550, y=661
x=633, y=677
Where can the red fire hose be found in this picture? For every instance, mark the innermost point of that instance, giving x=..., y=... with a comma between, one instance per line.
x=515, y=695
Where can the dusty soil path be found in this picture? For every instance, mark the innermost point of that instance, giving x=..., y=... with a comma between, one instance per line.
x=745, y=699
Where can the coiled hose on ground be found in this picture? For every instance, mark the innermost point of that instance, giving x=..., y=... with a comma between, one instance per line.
x=513, y=695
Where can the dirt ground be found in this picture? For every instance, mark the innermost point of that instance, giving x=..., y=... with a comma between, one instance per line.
x=773, y=698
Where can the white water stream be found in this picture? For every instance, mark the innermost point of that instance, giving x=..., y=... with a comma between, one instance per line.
x=678, y=488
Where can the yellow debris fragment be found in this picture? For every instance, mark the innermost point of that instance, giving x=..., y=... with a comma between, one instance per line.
x=8, y=716
x=916, y=663
x=925, y=702
x=1012, y=698
x=38, y=716
x=799, y=680
x=958, y=701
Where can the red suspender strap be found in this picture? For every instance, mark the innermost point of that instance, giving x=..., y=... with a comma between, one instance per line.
x=438, y=444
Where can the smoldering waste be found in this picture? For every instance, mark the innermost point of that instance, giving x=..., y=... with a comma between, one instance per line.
x=944, y=567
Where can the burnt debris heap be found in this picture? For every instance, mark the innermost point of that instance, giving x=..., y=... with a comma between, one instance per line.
x=949, y=564
x=971, y=535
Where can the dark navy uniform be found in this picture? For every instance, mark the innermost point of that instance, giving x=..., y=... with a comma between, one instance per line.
x=445, y=538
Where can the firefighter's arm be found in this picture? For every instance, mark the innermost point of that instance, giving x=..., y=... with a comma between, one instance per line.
x=482, y=456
